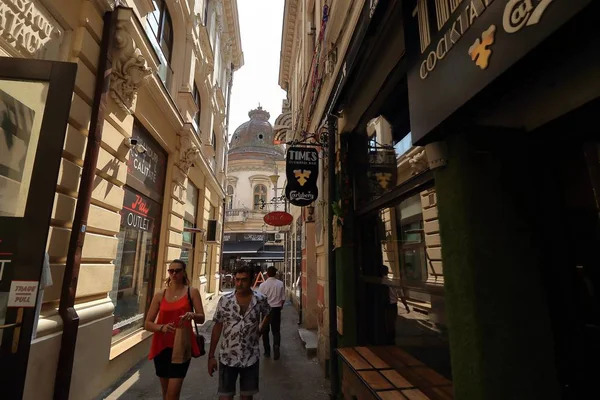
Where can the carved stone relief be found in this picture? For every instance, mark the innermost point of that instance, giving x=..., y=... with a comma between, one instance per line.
x=130, y=71
x=418, y=162
x=188, y=154
x=234, y=168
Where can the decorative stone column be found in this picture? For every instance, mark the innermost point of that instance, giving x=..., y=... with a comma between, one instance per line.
x=188, y=154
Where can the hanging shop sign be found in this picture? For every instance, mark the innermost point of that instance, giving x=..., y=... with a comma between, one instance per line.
x=139, y=212
x=278, y=218
x=147, y=163
x=382, y=172
x=470, y=45
x=302, y=171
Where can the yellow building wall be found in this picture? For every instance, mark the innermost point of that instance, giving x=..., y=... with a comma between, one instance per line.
x=168, y=117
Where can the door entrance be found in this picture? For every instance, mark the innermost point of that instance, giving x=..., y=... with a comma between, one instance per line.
x=570, y=170
x=35, y=99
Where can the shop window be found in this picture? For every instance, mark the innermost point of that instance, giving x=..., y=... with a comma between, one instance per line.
x=138, y=237
x=161, y=26
x=399, y=308
x=229, y=197
x=189, y=225
x=409, y=226
x=260, y=196
x=135, y=263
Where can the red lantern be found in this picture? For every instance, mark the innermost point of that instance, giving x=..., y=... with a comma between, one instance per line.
x=278, y=218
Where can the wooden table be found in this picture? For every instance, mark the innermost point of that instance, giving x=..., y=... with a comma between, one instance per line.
x=389, y=373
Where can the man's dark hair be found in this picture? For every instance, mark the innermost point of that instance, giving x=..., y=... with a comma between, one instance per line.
x=271, y=271
x=245, y=269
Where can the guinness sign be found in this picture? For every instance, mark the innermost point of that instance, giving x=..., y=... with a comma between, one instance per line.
x=302, y=171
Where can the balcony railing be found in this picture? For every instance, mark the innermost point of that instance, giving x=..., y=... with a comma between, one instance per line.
x=236, y=215
x=243, y=214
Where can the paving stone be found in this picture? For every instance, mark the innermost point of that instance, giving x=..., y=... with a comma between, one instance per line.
x=310, y=340
x=292, y=377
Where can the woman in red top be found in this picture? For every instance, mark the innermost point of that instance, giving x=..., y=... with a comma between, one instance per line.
x=174, y=342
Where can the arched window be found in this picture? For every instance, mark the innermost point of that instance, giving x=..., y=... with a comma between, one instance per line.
x=162, y=26
x=229, y=197
x=260, y=196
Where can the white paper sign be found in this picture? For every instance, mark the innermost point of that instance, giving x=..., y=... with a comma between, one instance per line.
x=22, y=293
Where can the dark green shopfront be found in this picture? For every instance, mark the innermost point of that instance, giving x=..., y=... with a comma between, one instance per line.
x=493, y=242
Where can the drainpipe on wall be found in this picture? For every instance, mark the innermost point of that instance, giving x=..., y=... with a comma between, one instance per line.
x=333, y=364
x=229, y=87
x=67, y=312
x=222, y=245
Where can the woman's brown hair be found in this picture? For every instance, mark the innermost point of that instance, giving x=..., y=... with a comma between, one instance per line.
x=186, y=280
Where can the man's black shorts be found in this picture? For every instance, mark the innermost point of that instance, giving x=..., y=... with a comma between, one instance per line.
x=248, y=380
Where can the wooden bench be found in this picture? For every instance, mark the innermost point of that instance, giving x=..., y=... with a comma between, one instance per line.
x=389, y=373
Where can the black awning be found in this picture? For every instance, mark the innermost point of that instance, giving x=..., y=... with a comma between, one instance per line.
x=272, y=248
x=265, y=255
x=241, y=247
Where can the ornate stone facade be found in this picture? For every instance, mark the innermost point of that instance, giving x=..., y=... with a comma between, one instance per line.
x=130, y=70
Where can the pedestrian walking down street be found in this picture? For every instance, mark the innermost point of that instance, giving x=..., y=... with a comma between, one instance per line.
x=174, y=342
x=238, y=318
x=274, y=290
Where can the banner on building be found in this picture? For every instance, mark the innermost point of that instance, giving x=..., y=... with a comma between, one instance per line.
x=302, y=171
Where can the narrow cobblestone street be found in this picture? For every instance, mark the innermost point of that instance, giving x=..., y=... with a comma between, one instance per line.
x=293, y=377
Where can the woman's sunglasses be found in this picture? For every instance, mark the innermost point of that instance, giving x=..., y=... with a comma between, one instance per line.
x=174, y=271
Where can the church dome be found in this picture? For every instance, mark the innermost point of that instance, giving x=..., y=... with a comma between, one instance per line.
x=255, y=138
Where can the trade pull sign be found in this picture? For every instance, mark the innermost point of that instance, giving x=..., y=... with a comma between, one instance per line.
x=23, y=294
x=302, y=171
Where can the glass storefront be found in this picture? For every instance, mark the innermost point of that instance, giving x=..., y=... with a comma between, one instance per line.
x=136, y=261
x=394, y=266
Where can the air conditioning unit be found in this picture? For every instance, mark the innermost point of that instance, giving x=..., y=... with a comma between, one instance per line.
x=211, y=231
x=279, y=236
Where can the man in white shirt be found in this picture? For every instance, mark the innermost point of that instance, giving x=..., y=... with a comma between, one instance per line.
x=273, y=289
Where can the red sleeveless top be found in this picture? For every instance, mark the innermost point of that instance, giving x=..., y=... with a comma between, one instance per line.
x=170, y=312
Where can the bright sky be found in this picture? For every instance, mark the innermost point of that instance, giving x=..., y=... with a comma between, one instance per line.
x=257, y=81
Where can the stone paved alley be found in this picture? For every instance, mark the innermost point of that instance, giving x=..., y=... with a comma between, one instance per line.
x=293, y=377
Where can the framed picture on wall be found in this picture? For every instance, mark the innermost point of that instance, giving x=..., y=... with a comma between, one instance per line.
x=16, y=154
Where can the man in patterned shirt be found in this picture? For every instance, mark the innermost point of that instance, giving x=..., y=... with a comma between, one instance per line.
x=238, y=317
